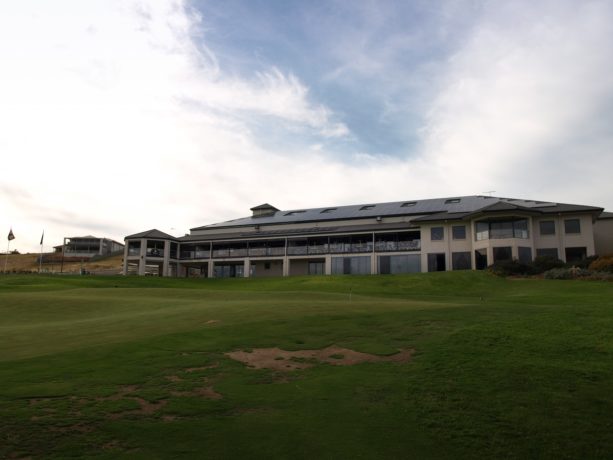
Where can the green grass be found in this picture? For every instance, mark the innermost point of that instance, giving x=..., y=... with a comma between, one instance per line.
x=111, y=368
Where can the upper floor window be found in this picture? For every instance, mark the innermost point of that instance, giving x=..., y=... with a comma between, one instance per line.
x=548, y=227
x=459, y=232
x=437, y=233
x=500, y=229
x=572, y=226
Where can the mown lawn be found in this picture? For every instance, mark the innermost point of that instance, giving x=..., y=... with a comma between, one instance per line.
x=135, y=368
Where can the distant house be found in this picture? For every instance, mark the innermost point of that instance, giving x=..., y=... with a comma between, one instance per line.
x=456, y=233
x=88, y=246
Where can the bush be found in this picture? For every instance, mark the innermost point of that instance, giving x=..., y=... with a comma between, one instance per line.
x=583, y=263
x=566, y=273
x=543, y=263
x=602, y=264
x=508, y=267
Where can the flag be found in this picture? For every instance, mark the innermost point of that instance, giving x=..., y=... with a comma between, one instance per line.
x=42, y=237
x=11, y=236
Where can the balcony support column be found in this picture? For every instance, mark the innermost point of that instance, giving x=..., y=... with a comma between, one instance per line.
x=142, y=262
x=166, y=263
x=125, y=258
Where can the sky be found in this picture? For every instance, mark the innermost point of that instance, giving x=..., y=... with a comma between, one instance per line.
x=121, y=116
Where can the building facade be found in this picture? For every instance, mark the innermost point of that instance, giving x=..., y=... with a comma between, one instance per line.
x=458, y=233
x=85, y=247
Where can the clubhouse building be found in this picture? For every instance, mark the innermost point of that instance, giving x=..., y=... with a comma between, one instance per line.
x=457, y=233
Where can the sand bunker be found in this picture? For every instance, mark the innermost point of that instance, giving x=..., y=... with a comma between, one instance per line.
x=282, y=360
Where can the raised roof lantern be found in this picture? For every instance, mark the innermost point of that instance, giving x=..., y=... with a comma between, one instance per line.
x=263, y=210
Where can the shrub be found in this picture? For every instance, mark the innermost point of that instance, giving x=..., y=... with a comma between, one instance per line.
x=543, y=263
x=508, y=267
x=583, y=263
x=602, y=264
x=566, y=273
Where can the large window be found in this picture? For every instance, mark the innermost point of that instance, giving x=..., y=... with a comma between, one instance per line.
x=524, y=254
x=548, y=227
x=228, y=270
x=410, y=263
x=436, y=262
x=575, y=254
x=459, y=232
x=500, y=229
x=502, y=253
x=351, y=265
x=460, y=261
x=316, y=267
x=437, y=233
x=133, y=248
x=547, y=252
x=481, y=259
x=572, y=226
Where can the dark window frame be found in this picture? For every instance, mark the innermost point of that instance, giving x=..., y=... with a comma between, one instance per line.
x=432, y=234
x=569, y=229
x=544, y=231
x=454, y=234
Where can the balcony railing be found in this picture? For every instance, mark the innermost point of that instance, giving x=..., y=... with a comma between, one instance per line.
x=263, y=252
x=307, y=250
x=314, y=249
x=350, y=247
x=222, y=253
x=388, y=246
x=155, y=252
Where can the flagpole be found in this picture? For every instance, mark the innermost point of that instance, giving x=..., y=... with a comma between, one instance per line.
x=40, y=261
x=6, y=259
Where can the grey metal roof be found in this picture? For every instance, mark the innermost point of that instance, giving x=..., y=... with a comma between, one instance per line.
x=605, y=215
x=153, y=233
x=300, y=232
x=451, y=205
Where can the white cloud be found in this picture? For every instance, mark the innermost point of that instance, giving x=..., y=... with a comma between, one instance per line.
x=96, y=126
x=114, y=119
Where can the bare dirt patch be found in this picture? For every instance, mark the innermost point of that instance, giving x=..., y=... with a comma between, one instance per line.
x=79, y=428
x=121, y=394
x=203, y=392
x=283, y=360
x=189, y=370
x=146, y=408
x=173, y=378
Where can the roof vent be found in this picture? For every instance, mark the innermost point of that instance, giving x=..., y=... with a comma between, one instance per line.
x=367, y=207
x=452, y=200
x=263, y=210
x=408, y=204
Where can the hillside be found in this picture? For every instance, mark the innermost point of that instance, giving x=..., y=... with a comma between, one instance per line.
x=52, y=264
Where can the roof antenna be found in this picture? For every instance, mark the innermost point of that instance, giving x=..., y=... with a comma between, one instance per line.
x=489, y=192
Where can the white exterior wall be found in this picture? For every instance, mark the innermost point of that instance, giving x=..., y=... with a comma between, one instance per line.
x=603, y=237
x=561, y=240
